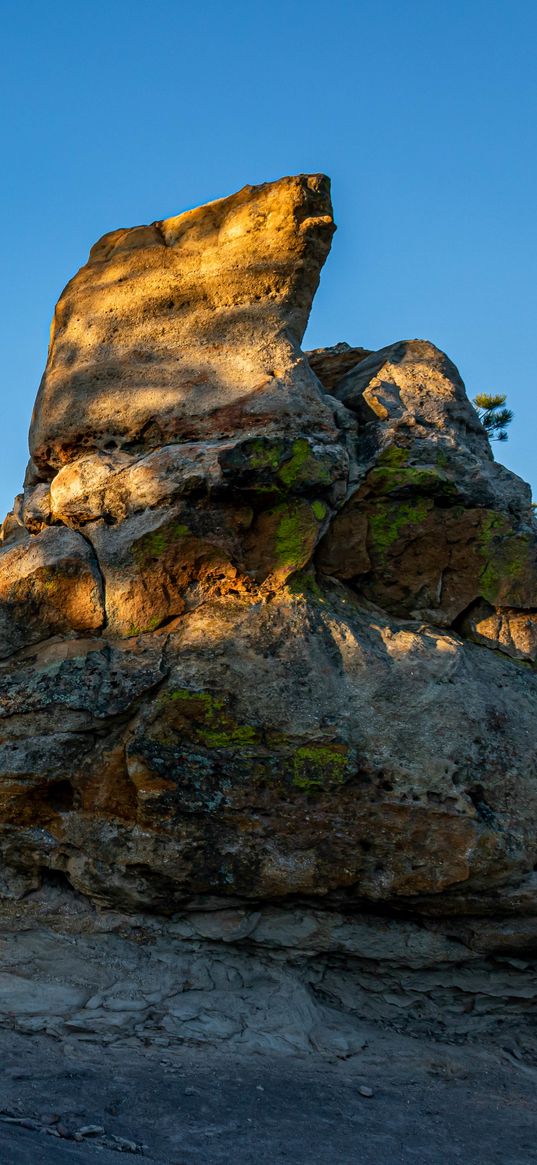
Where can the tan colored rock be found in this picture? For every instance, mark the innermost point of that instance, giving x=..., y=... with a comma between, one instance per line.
x=511, y=631
x=13, y=529
x=139, y=351
x=412, y=384
x=159, y=562
x=332, y=364
x=49, y=585
x=36, y=510
x=117, y=485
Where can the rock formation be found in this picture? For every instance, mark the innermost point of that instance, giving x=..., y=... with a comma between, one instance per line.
x=268, y=619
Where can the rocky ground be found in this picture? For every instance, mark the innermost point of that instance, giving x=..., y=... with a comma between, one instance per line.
x=430, y=1102
x=250, y=1036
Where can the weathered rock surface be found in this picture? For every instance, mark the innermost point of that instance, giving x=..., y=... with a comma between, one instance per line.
x=436, y=524
x=332, y=364
x=48, y=585
x=267, y=627
x=140, y=349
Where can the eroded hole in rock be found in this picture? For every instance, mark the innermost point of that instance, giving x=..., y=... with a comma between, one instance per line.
x=55, y=879
x=60, y=796
x=483, y=810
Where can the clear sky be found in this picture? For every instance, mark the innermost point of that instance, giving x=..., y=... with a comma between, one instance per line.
x=424, y=113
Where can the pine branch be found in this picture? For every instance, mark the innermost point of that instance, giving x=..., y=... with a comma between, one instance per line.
x=494, y=417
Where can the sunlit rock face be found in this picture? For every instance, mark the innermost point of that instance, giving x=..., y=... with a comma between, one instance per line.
x=268, y=625
x=141, y=350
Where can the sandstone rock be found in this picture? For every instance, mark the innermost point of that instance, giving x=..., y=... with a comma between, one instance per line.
x=48, y=585
x=511, y=631
x=52, y=710
x=267, y=642
x=139, y=353
x=435, y=524
x=36, y=510
x=113, y=486
x=332, y=364
x=13, y=529
x=160, y=561
x=215, y=785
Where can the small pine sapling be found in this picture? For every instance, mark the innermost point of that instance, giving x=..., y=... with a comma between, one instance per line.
x=493, y=415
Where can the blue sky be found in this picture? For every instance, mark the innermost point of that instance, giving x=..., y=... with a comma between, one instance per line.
x=424, y=113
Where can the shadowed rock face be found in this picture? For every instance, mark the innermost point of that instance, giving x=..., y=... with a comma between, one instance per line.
x=267, y=626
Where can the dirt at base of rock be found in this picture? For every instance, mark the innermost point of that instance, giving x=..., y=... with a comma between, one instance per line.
x=462, y=1106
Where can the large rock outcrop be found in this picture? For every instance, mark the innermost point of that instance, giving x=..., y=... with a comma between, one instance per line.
x=268, y=627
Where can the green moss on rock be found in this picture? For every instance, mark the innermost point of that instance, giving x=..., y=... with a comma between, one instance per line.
x=262, y=454
x=204, y=718
x=393, y=458
x=317, y=766
x=393, y=474
x=158, y=542
x=304, y=467
x=296, y=532
x=304, y=582
x=275, y=463
x=320, y=510
x=390, y=521
x=509, y=568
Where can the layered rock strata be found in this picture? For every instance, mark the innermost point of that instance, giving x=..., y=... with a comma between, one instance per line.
x=268, y=619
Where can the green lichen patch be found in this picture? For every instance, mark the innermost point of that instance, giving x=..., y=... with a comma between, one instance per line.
x=320, y=510
x=156, y=543
x=304, y=467
x=509, y=571
x=393, y=475
x=296, y=531
x=204, y=718
x=48, y=579
x=319, y=766
x=393, y=458
x=390, y=521
x=262, y=454
x=304, y=582
x=411, y=480
x=151, y=625
x=275, y=463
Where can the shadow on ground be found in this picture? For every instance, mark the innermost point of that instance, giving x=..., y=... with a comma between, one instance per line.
x=194, y=1106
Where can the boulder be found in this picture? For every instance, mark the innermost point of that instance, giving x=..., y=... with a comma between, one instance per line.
x=49, y=584
x=140, y=353
x=268, y=617
x=332, y=364
x=434, y=525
